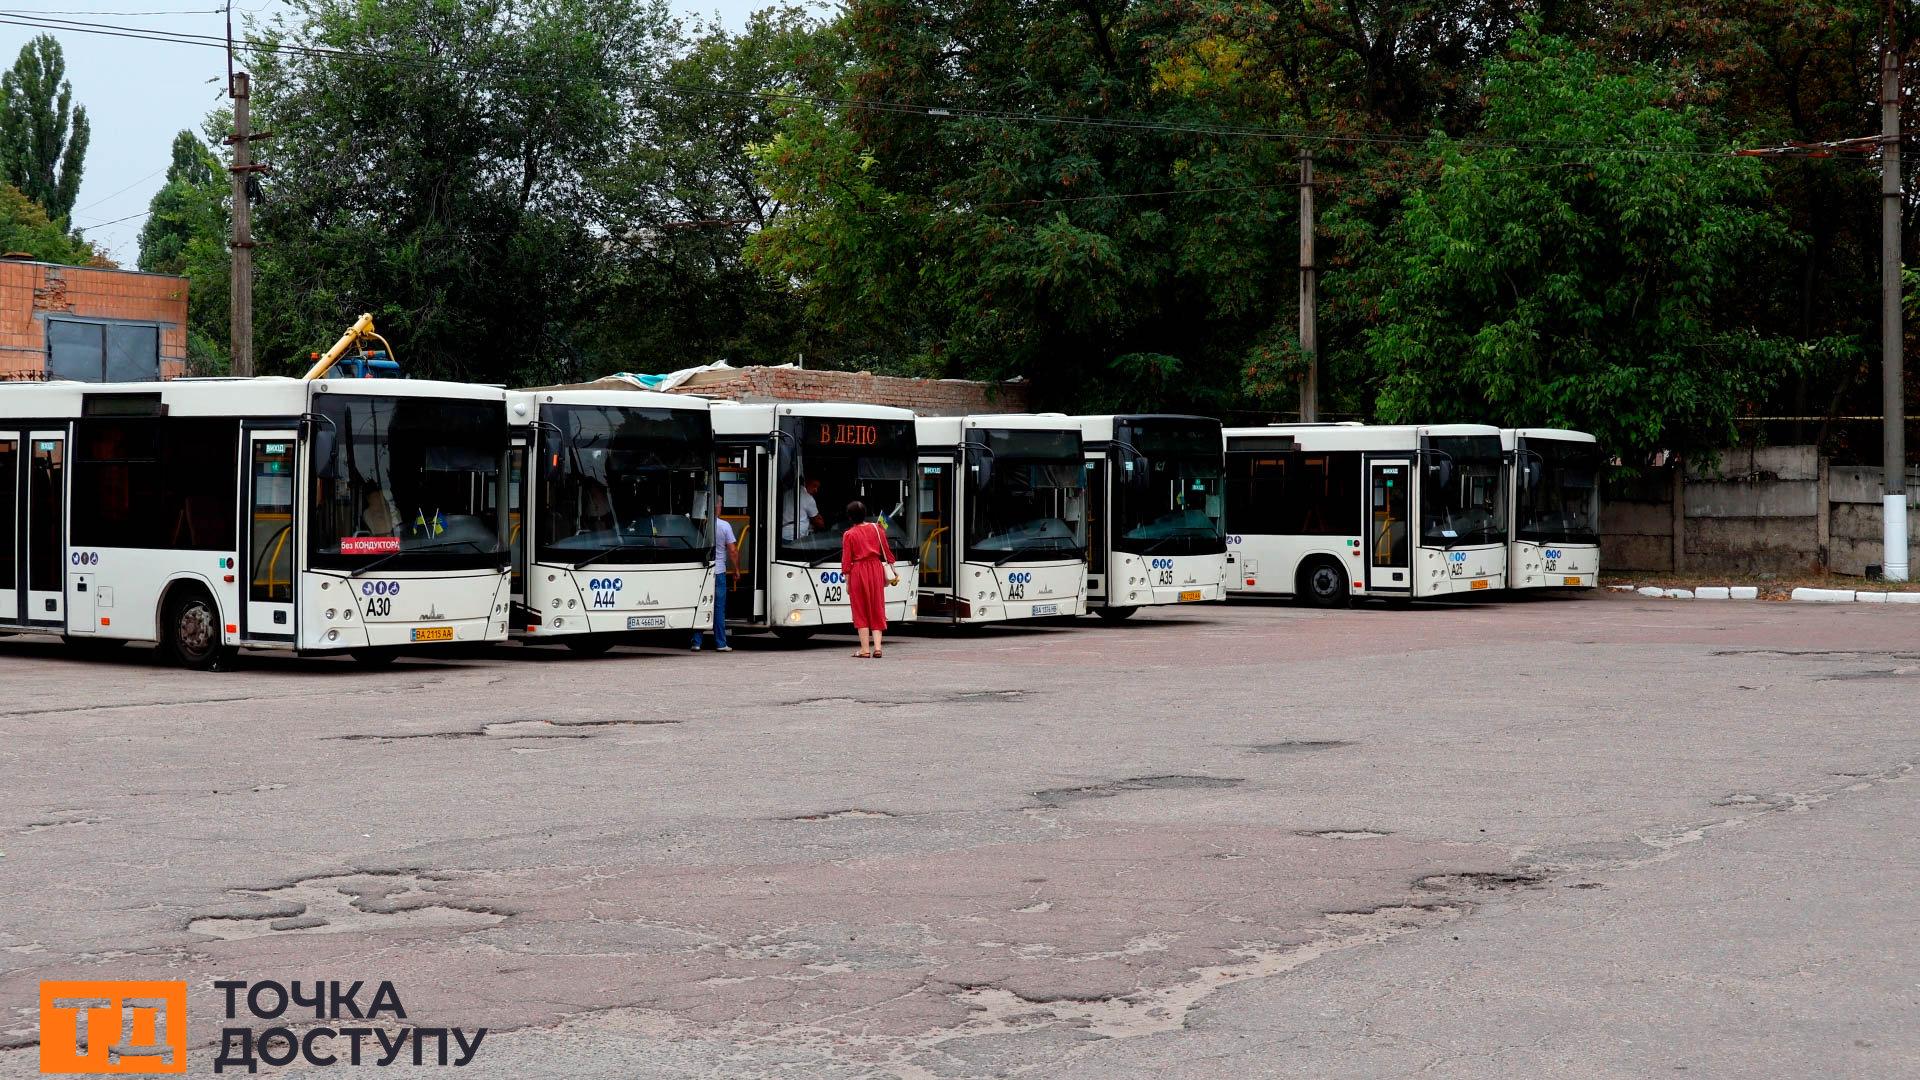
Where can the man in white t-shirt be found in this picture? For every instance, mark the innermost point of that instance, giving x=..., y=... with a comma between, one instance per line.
x=801, y=525
x=726, y=557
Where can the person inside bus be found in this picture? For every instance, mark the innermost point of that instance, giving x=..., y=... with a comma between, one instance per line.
x=799, y=526
x=377, y=516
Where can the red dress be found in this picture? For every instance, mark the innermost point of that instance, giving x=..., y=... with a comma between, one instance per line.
x=864, y=558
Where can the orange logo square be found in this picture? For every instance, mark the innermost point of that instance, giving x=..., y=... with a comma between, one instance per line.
x=113, y=1028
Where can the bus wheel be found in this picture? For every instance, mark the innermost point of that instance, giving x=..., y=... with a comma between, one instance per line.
x=375, y=658
x=590, y=644
x=1115, y=614
x=1323, y=583
x=792, y=635
x=191, y=630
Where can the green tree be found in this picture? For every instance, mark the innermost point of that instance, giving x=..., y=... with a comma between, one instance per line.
x=43, y=134
x=186, y=233
x=682, y=199
x=449, y=188
x=1582, y=263
x=26, y=228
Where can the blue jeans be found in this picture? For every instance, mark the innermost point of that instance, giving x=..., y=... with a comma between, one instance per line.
x=719, y=613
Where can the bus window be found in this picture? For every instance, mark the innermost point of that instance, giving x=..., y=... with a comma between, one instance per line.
x=157, y=483
x=829, y=462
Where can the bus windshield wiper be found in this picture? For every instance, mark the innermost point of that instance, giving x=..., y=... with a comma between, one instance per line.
x=606, y=553
x=376, y=564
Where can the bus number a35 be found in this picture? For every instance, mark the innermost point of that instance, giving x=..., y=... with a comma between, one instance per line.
x=1163, y=571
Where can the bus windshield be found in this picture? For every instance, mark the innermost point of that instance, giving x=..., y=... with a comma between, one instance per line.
x=1028, y=494
x=1166, y=484
x=828, y=462
x=1559, y=496
x=415, y=483
x=624, y=484
x=1461, y=497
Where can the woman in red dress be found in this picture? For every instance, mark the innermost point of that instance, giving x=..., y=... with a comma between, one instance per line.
x=867, y=563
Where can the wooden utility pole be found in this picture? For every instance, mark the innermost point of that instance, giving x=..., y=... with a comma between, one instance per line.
x=1309, y=298
x=1893, y=413
x=242, y=170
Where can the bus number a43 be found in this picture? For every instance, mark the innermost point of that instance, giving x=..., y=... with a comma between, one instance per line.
x=1017, y=584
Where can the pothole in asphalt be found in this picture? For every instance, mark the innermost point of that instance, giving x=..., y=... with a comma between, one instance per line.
x=69, y=823
x=1345, y=834
x=509, y=729
x=962, y=697
x=1298, y=746
x=1748, y=798
x=1057, y=796
x=838, y=815
x=344, y=903
x=1479, y=881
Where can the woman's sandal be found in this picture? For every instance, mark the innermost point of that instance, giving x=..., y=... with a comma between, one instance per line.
x=863, y=656
x=877, y=654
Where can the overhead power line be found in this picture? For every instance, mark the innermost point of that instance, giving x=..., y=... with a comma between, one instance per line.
x=939, y=112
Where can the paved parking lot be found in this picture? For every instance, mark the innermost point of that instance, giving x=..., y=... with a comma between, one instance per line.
x=1585, y=837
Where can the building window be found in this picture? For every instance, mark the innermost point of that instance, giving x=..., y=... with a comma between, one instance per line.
x=100, y=351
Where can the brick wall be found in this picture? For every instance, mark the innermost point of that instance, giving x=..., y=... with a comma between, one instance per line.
x=929, y=397
x=30, y=291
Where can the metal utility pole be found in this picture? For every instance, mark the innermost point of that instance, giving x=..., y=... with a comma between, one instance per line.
x=1893, y=500
x=1309, y=297
x=242, y=170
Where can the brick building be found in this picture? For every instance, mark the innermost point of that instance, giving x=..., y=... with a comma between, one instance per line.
x=88, y=324
x=928, y=397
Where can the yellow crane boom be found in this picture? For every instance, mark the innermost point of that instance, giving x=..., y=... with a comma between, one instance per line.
x=357, y=335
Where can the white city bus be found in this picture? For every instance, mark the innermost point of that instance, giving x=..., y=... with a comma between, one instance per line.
x=1003, y=503
x=1156, y=535
x=1327, y=512
x=784, y=477
x=366, y=516
x=1555, y=528
x=613, y=528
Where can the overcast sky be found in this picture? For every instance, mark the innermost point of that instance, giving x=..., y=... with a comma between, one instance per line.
x=139, y=93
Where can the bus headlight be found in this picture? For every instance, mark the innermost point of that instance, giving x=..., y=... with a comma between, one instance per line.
x=332, y=614
x=794, y=616
x=333, y=635
x=556, y=603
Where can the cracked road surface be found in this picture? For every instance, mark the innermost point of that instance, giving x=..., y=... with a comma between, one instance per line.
x=1586, y=837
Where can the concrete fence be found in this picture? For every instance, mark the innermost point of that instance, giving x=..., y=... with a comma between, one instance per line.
x=1773, y=509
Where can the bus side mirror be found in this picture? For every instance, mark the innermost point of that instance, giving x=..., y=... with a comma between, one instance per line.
x=326, y=447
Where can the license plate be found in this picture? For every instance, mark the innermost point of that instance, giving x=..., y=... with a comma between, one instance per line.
x=1190, y=595
x=433, y=633
x=646, y=622
x=1046, y=609
x=1482, y=583
x=1570, y=581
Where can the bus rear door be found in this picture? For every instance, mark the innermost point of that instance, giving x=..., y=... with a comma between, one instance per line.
x=10, y=515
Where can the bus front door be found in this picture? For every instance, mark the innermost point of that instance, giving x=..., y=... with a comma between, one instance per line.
x=46, y=553
x=272, y=542
x=1389, y=569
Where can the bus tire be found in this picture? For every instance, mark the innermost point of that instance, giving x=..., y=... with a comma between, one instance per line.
x=1323, y=583
x=190, y=629
x=792, y=635
x=1115, y=614
x=375, y=658
x=590, y=644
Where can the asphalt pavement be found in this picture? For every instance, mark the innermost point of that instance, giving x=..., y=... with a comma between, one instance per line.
x=1587, y=836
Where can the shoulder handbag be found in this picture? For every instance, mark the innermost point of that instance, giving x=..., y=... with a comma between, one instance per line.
x=893, y=577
